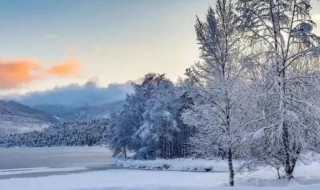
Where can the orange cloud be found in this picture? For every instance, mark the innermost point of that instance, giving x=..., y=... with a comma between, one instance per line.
x=17, y=72
x=67, y=68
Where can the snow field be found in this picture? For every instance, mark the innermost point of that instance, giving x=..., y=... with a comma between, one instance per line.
x=307, y=177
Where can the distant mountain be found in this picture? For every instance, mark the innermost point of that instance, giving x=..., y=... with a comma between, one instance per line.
x=90, y=112
x=16, y=118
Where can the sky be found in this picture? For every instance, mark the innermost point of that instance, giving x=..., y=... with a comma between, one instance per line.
x=50, y=43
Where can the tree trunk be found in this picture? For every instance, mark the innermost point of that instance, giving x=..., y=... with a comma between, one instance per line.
x=288, y=162
x=230, y=164
x=125, y=152
x=278, y=172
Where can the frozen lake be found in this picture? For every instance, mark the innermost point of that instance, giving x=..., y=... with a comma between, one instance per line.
x=90, y=168
x=78, y=158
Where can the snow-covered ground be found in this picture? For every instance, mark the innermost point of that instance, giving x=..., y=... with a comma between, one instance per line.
x=68, y=176
x=182, y=164
x=308, y=177
x=13, y=125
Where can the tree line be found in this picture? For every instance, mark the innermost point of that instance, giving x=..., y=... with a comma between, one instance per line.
x=71, y=133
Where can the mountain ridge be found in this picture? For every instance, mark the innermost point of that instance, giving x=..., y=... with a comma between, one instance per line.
x=17, y=118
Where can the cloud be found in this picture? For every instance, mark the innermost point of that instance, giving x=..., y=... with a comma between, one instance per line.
x=67, y=68
x=77, y=95
x=17, y=72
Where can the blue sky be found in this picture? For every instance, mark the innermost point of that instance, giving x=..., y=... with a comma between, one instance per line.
x=113, y=40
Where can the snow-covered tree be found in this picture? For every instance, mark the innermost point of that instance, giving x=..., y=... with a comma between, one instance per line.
x=220, y=92
x=149, y=122
x=156, y=134
x=287, y=72
x=182, y=101
x=124, y=123
x=122, y=126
